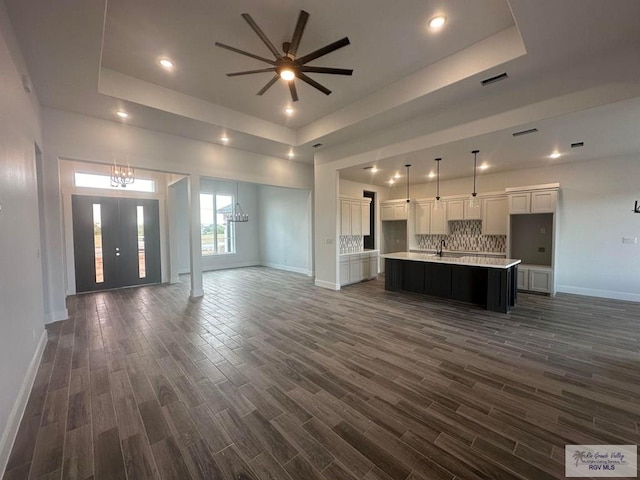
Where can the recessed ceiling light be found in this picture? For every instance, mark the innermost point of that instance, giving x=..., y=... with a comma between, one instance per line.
x=224, y=139
x=432, y=174
x=166, y=63
x=122, y=114
x=554, y=155
x=289, y=110
x=437, y=22
x=397, y=175
x=290, y=154
x=484, y=166
x=374, y=170
x=391, y=182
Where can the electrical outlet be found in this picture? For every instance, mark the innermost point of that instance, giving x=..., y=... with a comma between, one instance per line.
x=541, y=249
x=630, y=240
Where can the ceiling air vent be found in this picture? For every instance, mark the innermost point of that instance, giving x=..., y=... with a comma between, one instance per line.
x=497, y=78
x=317, y=145
x=368, y=168
x=524, y=132
x=577, y=144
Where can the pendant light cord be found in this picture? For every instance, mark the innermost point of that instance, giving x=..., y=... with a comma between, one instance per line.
x=408, y=199
x=475, y=155
x=438, y=178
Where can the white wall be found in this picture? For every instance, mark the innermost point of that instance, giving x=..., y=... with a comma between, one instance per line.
x=595, y=212
x=21, y=291
x=247, y=234
x=285, y=228
x=79, y=137
x=182, y=225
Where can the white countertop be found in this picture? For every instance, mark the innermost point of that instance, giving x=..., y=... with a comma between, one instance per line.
x=366, y=250
x=468, y=261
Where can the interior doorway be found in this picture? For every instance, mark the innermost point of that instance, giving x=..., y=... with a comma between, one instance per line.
x=116, y=242
x=370, y=240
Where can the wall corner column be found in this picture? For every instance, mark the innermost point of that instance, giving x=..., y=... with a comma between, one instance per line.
x=195, y=240
x=326, y=181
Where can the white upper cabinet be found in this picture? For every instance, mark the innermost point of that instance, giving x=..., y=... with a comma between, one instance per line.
x=394, y=210
x=520, y=203
x=455, y=209
x=423, y=218
x=544, y=202
x=354, y=216
x=461, y=210
x=345, y=216
x=366, y=219
x=494, y=215
x=541, y=200
x=472, y=213
x=439, y=223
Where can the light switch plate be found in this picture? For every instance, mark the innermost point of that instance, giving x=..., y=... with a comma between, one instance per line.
x=630, y=240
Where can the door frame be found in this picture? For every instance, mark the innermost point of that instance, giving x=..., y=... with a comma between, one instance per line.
x=68, y=189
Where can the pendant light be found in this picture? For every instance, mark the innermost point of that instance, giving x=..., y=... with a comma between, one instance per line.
x=474, y=201
x=237, y=214
x=437, y=205
x=408, y=197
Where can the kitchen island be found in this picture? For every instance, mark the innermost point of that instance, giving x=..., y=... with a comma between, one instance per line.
x=488, y=282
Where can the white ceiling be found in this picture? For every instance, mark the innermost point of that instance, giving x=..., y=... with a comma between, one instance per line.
x=572, y=64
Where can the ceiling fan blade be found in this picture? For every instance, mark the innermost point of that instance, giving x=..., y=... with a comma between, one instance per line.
x=294, y=92
x=297, y=33
x=261, y=34
x=242, y=52
x=313, y=83
x=249, y=72
x=323, y=51
x=333, y=71
x=269, y=84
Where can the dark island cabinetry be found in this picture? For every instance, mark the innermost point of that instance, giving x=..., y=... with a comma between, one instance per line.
x=487, y=286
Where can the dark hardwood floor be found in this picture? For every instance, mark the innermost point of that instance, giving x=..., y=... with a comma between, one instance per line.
x=269, y=377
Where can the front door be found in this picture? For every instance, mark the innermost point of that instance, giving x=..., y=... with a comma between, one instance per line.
x=116, y=242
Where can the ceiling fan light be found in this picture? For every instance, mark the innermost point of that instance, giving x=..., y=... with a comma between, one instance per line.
x=287, y=74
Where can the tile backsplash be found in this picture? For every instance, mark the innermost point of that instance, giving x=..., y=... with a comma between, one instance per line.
x=350, y=243
x=465, y=235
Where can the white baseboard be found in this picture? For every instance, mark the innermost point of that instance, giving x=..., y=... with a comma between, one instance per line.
x=56, y=316
x=288, y=268
x=329, y=285
x=17, y=411
x=591, y=292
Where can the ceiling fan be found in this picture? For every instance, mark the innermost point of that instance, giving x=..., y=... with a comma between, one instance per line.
x=286, y=65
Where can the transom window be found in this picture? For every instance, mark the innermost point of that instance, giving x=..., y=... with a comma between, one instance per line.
x=91, y=180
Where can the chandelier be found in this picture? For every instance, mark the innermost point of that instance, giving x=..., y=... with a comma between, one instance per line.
x=122, y=176
x=237, y=214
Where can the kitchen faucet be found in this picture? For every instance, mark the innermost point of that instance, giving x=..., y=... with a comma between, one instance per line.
x=441, y=247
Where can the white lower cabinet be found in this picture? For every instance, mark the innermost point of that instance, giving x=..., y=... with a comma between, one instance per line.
x=364, y=266
x=356, y=267
x=344, y=270
x=535, y=278
x=373, y=265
